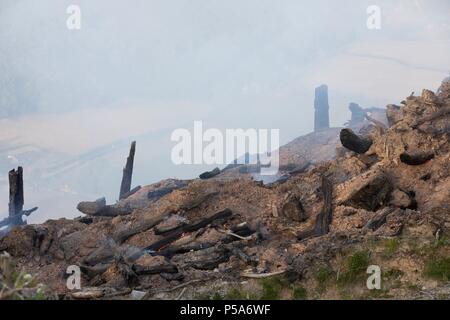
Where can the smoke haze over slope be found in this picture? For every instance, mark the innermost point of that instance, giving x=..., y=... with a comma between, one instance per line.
x=140, y=70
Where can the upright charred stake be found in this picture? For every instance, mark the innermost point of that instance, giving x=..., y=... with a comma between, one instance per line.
x=125, y=186
x=324, y=218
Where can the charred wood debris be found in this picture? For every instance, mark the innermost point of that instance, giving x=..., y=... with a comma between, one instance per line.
x=178, y=244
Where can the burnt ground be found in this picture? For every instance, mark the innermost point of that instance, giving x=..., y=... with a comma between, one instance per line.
x=312, y=233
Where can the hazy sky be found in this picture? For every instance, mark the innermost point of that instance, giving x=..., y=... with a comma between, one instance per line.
x=152, y=65
x=256, y=57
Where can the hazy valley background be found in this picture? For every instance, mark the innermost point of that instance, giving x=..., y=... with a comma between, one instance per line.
x=72, y=101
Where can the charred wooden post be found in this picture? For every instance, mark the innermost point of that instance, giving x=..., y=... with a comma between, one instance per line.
x=125, y=186
x=321, y=117
x=416, y=158
x=16, y=199
x=324, y=218
x=353, y=142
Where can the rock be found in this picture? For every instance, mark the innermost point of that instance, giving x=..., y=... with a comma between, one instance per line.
x=91, y=207
x=369, y=191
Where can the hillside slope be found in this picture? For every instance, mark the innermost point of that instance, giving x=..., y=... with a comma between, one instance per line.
x=310, y=235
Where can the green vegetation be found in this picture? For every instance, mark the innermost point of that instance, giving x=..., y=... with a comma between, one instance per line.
x=272, y=288
x=356, y=268
x=391, y=246
x=438, y=268
x=18, y=285
x=323, y=275
x=299, y=293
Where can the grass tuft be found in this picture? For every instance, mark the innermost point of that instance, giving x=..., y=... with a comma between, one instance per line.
x=438, y=268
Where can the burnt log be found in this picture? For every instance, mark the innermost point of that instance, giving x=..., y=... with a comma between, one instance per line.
x=125, y=186
x=210, y=174
x=416, y=158
x=127, y=272
x=353, y=142
x=324, y=218
x=122, y=236
x=91, y=207
x=174, y=250
x=163, y=268
x=224, y=215
x=114, y=211
x=207, y=259
x=159, y=193
x=379, y=219
x=98, y=208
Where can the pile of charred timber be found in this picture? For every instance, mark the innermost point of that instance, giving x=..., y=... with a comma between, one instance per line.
x=16, y=202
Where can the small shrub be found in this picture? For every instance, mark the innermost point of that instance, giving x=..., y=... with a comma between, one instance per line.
x=391, y=246
x=323, y=276
x=16, y=285
x=438, y=268
x=299, y=293
x=235, y=294
x=272, y=288
x=356, y=266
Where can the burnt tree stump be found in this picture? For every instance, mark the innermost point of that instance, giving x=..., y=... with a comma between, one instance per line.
x=125, y=186
x=321, y=117
x=16, y=199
